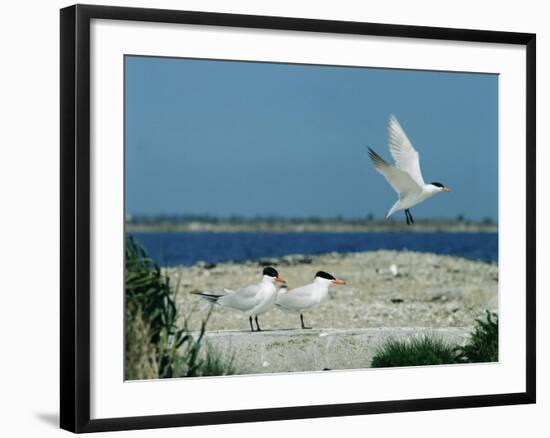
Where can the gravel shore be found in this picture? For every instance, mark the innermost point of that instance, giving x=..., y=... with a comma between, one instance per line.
x=429, y=290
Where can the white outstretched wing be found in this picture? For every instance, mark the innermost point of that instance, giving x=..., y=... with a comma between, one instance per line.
x=405, y=156
x=401, y=181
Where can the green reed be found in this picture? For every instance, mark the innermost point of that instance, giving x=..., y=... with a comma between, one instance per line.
x=158, y=341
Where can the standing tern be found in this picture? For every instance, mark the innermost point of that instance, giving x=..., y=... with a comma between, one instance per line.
x=251, y=300
x=307, y=297
x=405, y=177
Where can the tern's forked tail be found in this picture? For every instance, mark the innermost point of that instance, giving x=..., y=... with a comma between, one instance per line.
x=211, y=298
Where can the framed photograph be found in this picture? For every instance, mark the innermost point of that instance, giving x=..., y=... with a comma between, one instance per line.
x=268, y=218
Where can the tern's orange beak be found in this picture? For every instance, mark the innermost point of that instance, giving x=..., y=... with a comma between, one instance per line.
x=280, y=280
x=445, y=189
x=338, y=281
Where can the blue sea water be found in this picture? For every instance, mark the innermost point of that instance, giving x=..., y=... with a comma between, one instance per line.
x=171, y=249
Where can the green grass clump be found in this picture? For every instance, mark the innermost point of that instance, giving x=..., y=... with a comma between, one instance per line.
x=155, y=347
x=482, y=346
x=214, y=364
x=483, y=343
x=421, y=350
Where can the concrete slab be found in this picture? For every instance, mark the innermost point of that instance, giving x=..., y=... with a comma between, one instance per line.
x=314, y=350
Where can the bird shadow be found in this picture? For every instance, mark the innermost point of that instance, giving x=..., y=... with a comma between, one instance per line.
x=50, y=418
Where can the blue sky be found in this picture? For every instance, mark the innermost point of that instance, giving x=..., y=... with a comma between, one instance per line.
x=256, y=139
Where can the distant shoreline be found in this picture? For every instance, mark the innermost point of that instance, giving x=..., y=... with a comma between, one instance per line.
x=305, y=226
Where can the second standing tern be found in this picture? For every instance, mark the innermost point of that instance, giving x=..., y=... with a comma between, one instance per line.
x=251, y=300
x=307, y=297
x=405, y=177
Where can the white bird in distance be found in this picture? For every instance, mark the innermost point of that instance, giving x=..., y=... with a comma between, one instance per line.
x=405, y=177
x=251, y=300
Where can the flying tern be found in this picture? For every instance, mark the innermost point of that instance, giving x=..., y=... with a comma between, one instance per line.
x=307, y=297
x=251, y=300
x=405, y=177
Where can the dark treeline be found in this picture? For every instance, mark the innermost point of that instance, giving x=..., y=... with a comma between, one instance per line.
x=175, y=219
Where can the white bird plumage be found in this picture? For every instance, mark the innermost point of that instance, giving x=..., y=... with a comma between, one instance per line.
x=252, y=300
x=307, y=297
x=405, y=156
x=405, y=177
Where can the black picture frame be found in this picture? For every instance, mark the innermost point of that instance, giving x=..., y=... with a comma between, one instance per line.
x=75, y=217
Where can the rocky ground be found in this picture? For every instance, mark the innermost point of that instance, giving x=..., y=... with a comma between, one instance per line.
x=428, y=290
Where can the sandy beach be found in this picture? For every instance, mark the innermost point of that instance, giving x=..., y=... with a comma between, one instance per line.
x=428, y=291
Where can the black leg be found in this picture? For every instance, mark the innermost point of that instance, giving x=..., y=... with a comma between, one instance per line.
x=257, y=325
x=302, y=321
x=409, y=217
x=250, y=321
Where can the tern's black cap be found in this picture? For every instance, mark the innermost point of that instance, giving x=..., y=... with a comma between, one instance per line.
x=272, y=272
x=437, y=184
x=326, y=275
